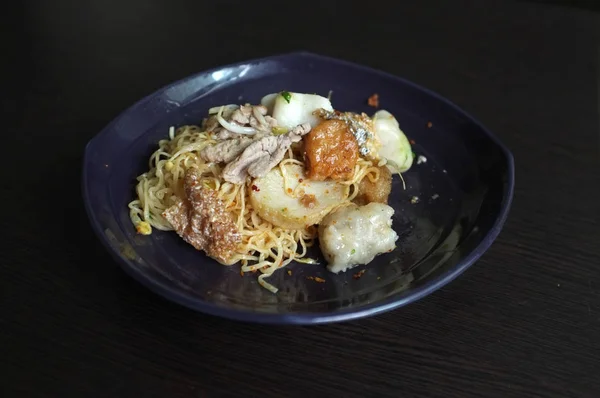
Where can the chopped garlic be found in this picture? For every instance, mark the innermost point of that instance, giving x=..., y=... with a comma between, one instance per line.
x=421, y=159
x=278, y=130
x=143, y=228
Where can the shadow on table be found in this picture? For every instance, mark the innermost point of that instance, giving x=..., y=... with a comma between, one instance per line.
x=591, y=5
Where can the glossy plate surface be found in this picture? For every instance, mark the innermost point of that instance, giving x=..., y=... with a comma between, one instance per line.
x=464, y=192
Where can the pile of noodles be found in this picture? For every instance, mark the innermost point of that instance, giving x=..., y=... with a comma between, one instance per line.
x=264, y=246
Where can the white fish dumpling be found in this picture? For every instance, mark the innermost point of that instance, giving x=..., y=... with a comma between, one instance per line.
x=354, y=235
x=291, y=109
x=272, y=203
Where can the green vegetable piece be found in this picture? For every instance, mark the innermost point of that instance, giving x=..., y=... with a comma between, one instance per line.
x=279, y=130
x=395, y=147
x=286, y=96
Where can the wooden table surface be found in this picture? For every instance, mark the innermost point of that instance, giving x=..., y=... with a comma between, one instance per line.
x=522, y=322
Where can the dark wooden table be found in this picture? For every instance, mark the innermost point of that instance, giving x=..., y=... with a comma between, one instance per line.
x=523, y=322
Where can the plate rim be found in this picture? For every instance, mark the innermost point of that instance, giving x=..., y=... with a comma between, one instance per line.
x=307, y=318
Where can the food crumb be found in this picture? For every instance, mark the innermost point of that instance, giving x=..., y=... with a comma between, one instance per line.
x=320, y=280
x=289, y=272
x=378, y=278
x=414, y=200
x=429, y=125
x=421, y=159
x=241, y=273
x=309, y=201
x=310, y=278
x=412, y=142
x=444, y=171
x=373, y=101
x=359, y=274
x=435, y=196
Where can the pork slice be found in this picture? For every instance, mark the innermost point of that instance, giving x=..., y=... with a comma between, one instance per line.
x=262, y=166
x=227, y=150
x=267, y=162
x=236, y=171
x=210, y=124
x=271, y=121
x=265, y=125
x=245, y=115
x=222, y=134
x=298, y=132
x=262, y=155
x=242, y=114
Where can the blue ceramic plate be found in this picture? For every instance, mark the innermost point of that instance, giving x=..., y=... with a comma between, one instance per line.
x=464, y=192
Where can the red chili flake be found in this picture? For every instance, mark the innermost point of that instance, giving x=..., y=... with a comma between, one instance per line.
x=412, y=142
x=429, y=124
x=373, y=100
x=300, y=180
x=255, y=188
x=359, y=274
x=289, y=190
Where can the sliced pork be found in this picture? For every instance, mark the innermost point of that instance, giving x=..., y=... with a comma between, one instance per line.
x=262, y=155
